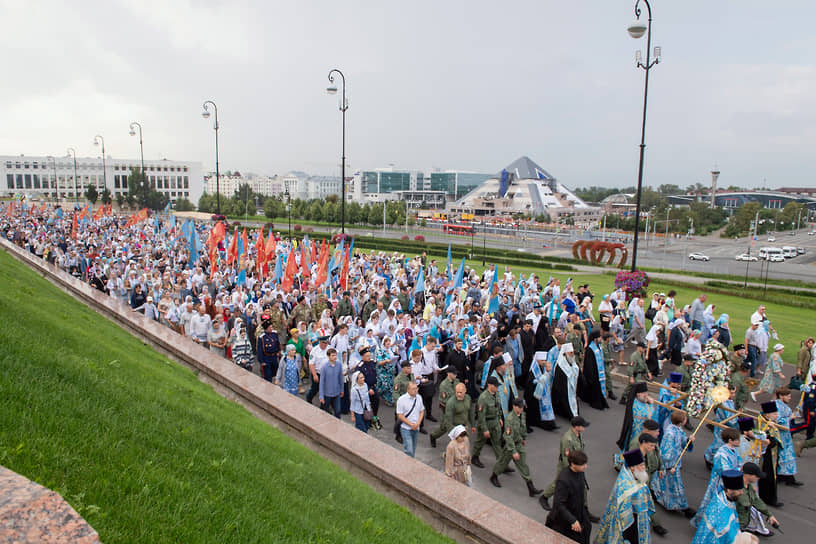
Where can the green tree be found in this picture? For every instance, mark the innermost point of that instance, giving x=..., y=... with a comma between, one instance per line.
x=143, y=193
x=91, y=193
x=375, y=214
x=669, y=189
x=120, y=200
x=184, y=205
x=105, y=197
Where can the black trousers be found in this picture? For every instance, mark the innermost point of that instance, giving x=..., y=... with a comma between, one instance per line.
x=427, y=391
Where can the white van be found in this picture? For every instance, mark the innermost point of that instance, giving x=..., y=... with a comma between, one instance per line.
x=789, y=252
x=771, y=254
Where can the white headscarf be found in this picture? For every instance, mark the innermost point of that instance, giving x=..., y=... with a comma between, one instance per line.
x=456, y=431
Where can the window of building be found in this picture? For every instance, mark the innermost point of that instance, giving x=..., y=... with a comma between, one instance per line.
x=10, y=181
x=186, y=181
x=28, y=181
x=36, y=179
x=173, y=194
x=172, y=182
x=8, y=164
x=34, y=165
x=19, y=181
x=186, y=194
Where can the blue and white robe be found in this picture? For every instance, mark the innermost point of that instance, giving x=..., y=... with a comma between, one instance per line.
x=786, y=460
x=670, y=490
x=719, y=522
x=666, y=396
x=599, y=363
x=720, y=415
x=725, y=459
x=507, y=389
x=543, y=389
x=629, y=498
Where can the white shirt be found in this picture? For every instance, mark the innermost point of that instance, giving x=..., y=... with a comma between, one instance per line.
x=318, y=357
x=404, y=404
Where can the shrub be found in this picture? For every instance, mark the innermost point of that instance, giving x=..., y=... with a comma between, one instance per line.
x=404, y=237
x=309, y=229
x=419, y=238
x=235, y=224
x=270, y=226
x=297, y=228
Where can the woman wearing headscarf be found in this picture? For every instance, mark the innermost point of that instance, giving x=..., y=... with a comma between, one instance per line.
x=288, y=376
x=457, y=456
x=360, y=401
x=676, y=341
x=653, y=345
x=617, y=344
x=709, y=322
x=724, y=330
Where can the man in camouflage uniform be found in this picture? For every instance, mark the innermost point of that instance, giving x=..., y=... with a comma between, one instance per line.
x=344, y=306
x=447, y=394
x=638, y=371
x=318, y=307
x=489, y=422
x=278, y=320
x=738, y=383
x=515, y=442
x=570, y=441
x=609, y=364
x=301, y=312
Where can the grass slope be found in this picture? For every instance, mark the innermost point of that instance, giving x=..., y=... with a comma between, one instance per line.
x=147, y=453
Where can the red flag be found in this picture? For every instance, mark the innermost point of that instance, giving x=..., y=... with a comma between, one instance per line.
x=322, y=266
x=344, y=271
x=10, y=209
x=244, y=243
x=270, y=246
x=217, y=235
x=305, y=260
x=232, y=250
x=74, y=227
x=260, y=248
x=289, y=273
x=83, y=213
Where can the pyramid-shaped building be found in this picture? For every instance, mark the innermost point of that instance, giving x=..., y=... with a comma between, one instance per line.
x=523, y=187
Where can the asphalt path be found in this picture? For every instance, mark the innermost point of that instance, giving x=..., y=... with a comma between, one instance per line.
x=797, y=516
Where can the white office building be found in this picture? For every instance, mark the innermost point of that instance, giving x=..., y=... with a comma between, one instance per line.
x=53, y=177
x=229, y=185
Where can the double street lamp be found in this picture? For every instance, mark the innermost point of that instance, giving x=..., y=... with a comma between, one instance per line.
x=141, y=150
x=332, y=89
x=97, y=140
x=206, y=114
x=636, y=30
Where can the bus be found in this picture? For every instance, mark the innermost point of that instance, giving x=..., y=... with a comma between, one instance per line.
x=771, y=254
x=465, y=230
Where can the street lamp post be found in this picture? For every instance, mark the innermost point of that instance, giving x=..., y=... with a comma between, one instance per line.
x=206, y=114
x=636, y=30
x=141, y=151
x=72, y=153
x=97, y=140
x=289, y=212
x=56, y=179
x=332, y=89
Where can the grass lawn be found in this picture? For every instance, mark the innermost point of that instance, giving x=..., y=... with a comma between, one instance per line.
x=147, y=453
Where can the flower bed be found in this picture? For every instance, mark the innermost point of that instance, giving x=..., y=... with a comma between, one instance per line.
x=633, y=283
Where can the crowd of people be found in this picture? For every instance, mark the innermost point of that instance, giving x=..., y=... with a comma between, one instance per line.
x=487, y=356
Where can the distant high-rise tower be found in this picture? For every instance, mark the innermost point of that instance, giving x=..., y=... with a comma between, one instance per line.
x=714, y=175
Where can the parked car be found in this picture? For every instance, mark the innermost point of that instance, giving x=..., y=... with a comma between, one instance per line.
x=747, y=257
x=811, y=232
x=698, y=257
x=800, y=250
x=776, y=258
x=771, y=239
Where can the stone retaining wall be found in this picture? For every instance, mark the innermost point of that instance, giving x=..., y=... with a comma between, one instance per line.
x=450, y=507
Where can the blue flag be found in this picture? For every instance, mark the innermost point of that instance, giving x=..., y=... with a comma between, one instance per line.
x=241, y=277
x=460, y=275
x=278, y=269
x=493, y=300
x=59, y=213
x=420, y=284
x=450, y=262
x=167, y=208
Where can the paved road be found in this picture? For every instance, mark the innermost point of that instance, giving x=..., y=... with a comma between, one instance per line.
x=798, y=516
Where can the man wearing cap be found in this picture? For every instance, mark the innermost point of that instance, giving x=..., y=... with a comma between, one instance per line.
x=268, y=350
x=668, y=487
x=447, y=391
x=565, y=383
x=400, y=388
x=750, y=508
x=489, y=422
x=638, y=370
x=639, y=408
x=507, y=385
x=515, y=442
x=736, y=357
x=630, y=505
x=571, y=441
x=317, y=358
x=609, y=363
x=719, y=523
x=537, y=393
x=569, y=515
x=738, y=383
x=727, y=458
x=767, y=485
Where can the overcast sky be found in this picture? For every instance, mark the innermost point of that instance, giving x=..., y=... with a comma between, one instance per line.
x=451, y=84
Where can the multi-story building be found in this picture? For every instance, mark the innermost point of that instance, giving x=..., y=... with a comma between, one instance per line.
x=418, y=188
x=54, y=177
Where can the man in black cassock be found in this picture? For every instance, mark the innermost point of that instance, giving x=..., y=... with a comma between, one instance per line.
x=569, y=515
x=565, y=383
x=767, y=485
x=590, y=388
